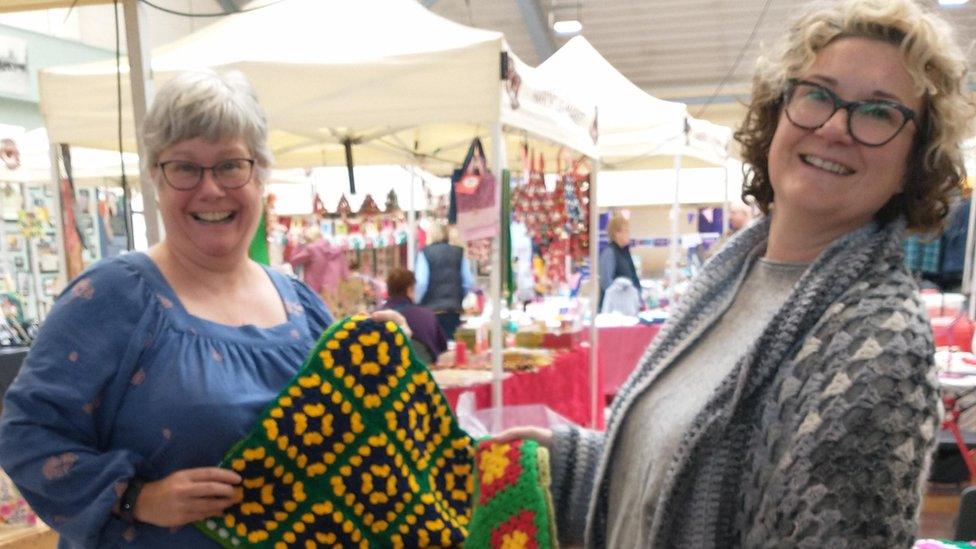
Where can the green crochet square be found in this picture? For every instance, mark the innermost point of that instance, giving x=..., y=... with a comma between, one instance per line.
x=512, y=502
x=360, y=449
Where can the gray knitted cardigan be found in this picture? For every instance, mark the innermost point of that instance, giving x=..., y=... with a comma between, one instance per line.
x=821, y=435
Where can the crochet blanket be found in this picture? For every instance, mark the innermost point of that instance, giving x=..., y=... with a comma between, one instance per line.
x=513, y=506
x=359, y=450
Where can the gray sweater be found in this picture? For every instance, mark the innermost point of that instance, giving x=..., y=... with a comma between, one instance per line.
x=821, y=435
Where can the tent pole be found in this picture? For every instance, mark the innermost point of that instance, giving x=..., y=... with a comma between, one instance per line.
x=140, y=80
x=596, y=387
x=58, y=220
x=728, y=200
x=675, y=213
x=967, y=276
x=497, y=399
x=412, y=221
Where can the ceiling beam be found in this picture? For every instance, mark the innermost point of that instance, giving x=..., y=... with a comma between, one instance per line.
x=229, y=6
x=428, y=3
x=537, y=23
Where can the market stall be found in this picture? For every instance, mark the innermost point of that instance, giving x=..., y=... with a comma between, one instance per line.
x=316, y=67
x=635, y=127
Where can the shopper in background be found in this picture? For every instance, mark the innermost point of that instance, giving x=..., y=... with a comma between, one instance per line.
x=428, y=337
x=324, y=263
x=443, y=278
x=152, y=365
x=615, y=260
x=791, y=399
x=740, y=214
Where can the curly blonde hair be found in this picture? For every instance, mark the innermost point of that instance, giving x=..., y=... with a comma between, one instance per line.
x=938, y=68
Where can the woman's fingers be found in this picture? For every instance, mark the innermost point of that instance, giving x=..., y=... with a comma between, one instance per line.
x=542, y=436
x=186, y=496
x=210, y=490
x=215, y=474
x=385, y=315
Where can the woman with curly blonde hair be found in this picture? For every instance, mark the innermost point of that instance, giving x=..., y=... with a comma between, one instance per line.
x=791, y=399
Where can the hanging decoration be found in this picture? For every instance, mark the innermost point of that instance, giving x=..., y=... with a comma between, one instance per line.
x=392, y=205
x=368, y=208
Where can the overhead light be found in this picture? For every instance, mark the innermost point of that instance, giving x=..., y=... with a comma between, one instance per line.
x=566, y=18
x=952, y=2
x=567, y=27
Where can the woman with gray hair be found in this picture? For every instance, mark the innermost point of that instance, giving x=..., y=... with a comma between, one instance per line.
x=152, y=365
x=791, y=399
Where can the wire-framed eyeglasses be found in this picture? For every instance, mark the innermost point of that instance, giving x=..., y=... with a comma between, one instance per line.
x=872, y=122
x=232, y=173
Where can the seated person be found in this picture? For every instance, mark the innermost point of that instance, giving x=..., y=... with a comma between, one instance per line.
x=428, y=337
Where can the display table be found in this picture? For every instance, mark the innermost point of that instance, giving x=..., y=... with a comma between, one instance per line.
x=618, y=350
x=563, y=387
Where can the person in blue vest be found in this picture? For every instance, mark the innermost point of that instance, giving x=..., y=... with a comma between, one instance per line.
x=443, y=279
x=615, y=261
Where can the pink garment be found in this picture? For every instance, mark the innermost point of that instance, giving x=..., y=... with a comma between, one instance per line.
x=325, y=265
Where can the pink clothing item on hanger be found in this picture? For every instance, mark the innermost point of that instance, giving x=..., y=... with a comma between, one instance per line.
x=325, y=265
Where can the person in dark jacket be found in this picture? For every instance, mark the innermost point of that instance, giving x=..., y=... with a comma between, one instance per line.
x=615, y=261
x=401, y=285
x=443, y=279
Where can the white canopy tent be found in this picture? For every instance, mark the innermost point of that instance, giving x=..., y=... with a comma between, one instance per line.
x=401, y=84
x=635, y=127
x=387, y=79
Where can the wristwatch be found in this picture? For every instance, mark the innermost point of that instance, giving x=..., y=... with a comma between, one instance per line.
x=127, y=504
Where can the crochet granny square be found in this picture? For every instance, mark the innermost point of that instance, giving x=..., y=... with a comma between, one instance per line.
x=359, y=450
x=512, y=502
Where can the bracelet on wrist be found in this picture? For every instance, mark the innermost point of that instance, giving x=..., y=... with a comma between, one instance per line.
x=127, y=503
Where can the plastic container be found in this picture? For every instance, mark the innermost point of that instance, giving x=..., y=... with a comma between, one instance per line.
x=953, y=331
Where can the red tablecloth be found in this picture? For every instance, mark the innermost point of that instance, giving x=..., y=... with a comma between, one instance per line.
x=563, y=387
x=618, y=350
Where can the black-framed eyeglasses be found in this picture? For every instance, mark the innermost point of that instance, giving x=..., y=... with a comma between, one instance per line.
x=232, y=173
x=871, y=122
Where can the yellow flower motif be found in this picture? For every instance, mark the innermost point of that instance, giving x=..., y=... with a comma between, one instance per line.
x=271, y=428
x=370, y=339
x=494, y=461
x=327, y=360
x=314, y=410
x=309, y=381
x=267, y=494
x=515, y=540
x=356, y=353
x=301, y=422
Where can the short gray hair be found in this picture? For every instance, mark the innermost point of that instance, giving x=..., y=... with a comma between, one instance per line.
x=210, y=106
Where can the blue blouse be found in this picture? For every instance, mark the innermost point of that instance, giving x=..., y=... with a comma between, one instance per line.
x=122, y=381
